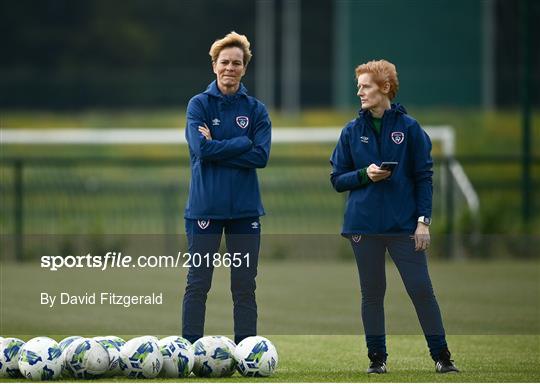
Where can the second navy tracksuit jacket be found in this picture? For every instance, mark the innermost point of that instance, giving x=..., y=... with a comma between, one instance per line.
x=392, y=205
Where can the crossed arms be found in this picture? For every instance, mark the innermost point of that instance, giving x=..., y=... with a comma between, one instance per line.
x=237, y=152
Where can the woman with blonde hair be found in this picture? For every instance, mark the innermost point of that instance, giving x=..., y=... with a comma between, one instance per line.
x=228, y=133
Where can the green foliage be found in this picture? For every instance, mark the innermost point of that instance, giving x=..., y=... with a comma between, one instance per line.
x=478, y=132
x=298, y=198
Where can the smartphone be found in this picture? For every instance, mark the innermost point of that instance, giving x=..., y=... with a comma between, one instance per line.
x=388, y=165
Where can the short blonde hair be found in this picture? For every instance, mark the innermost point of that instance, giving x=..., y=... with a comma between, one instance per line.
x=232, y=39
x=383, y=72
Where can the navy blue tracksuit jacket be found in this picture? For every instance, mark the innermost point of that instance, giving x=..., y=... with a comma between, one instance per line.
x=224, y=197
x=391, y=206
x=224, y=181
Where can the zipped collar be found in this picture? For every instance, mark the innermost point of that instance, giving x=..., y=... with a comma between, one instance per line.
x=394, y=109
x=213, y=90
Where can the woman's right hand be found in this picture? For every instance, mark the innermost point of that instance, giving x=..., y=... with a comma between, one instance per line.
x=377, y=174
x=205, y=132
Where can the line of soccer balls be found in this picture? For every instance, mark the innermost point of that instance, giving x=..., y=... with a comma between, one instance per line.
x=146, y=357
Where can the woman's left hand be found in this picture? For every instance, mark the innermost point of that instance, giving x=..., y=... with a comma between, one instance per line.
x=422, y=238
x=205, y=132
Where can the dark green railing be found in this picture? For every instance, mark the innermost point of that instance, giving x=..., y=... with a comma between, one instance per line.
x=296, y=192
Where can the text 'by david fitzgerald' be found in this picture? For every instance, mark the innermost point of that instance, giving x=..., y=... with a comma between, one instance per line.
x=100, y=298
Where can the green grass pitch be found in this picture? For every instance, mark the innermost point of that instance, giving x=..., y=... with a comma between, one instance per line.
x=311, y=311
x=341, y=358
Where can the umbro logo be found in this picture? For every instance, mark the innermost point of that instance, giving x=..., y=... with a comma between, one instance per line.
x=216, y=121
x=364, y=139
x=255, y=225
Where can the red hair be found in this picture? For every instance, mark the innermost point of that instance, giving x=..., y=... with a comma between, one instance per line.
x=383, y=72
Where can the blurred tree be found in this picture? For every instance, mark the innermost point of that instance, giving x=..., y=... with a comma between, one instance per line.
x=131, y=53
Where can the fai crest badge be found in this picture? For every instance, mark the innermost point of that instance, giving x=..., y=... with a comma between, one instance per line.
x=242, y=121
x=356, y=238
x=203, y=224
x=397, y=137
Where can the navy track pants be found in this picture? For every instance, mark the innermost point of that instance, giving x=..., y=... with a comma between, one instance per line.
x=370, y=253
x=204, y=237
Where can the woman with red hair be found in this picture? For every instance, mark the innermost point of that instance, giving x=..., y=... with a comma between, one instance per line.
x=383, y=158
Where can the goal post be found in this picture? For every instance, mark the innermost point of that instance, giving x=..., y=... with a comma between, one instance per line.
x=444, y=134
x=297, y=193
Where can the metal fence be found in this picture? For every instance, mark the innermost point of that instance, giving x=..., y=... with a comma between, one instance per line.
x=147, y=196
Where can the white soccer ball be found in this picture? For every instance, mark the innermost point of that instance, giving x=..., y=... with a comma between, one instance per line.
x=256, y=356
x=112, y=344
x=64, y=344
x=10, y=350
x=214, y=357
x=40, y=359
x=67, y=341
x=178, y=357
x=86, y=359
x=141, y=358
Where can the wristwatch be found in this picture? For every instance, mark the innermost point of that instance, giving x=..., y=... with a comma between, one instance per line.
x=424, y=220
